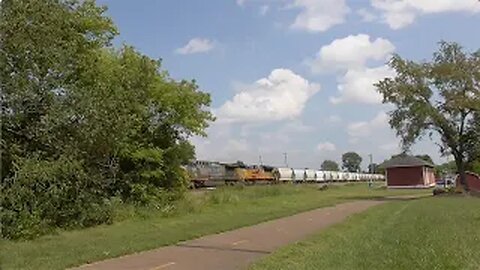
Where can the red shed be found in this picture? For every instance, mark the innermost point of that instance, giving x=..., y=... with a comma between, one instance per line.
x=409, y=172
x=473, y=181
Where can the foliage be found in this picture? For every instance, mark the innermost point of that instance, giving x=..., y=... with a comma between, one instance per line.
x=46, y=194
x=441, y=96
x=403, y=154
x=475, y=166
x=373, y=168
x=426, y=158
x=351, y=161
x=329, y=165
x=447, y=168
x=72, y=103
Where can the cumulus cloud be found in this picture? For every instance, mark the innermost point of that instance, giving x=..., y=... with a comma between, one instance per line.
x=392, y=147
x=400, y=13
x=313, y=15
x=357, y=85
x=282, y=95
x=351, y=52
x=264, y=9
x=196, y=45
x=349, y=57
x=319, y=15
x=368, y=128
x=326, y=146
x=240, y=2
x=333, y=119
x=367, y=16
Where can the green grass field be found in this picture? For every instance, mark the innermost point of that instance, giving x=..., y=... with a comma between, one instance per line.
x=199, y=214
x=434, y=233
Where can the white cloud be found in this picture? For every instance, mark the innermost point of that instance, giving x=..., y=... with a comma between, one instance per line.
x=240, y=2
x=392, y=147
x=367, y=16
x=357, y=85
x=350, y=52
x=326, y=146
x=368, y=128
x=295, y=127
x=349, y=57
x=282, y=95
x=400, y=13
x=196, y=45
x=264, y=9
x=319, y=15
x=333, y=119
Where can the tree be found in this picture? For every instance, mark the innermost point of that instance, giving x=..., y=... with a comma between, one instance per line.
x=351, y=161
x=83, y=122
x=329, y=165
x=441, y=96
x=373, y=168
x=426, y=158
x=447, y=168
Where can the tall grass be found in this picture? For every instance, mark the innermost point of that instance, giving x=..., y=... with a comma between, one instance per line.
x=199, y=213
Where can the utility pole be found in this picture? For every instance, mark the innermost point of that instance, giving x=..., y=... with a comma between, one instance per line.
x=285, y=159
x=371, y=170
x=260, y=160
x=371, y=163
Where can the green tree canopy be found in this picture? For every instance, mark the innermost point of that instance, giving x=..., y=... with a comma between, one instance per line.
x=447, y=168
x=351, y=162
x=373, y=168
x=441, y=96
x=329, y=165
x=426, y=158
x=83, y=122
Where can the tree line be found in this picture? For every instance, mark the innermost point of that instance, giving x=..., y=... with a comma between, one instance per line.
x=351, y=162
x=85, y=123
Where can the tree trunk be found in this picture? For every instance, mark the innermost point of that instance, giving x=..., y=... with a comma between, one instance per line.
x=462, y=175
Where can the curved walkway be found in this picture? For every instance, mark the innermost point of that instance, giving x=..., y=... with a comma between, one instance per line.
x=238, y=248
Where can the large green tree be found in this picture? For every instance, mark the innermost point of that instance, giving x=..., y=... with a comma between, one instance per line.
x=351, y=162
x=440, y=97
x=83, y=122
x=329, y=165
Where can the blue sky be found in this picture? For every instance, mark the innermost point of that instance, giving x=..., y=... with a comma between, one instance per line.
x=294, y=76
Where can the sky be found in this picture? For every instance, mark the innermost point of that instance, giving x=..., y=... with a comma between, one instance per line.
x=294, y=76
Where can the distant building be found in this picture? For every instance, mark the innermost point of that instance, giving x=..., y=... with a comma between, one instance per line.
x=408, y=172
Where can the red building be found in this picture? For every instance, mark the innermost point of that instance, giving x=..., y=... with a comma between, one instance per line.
x=409, y=172
x=473, y=181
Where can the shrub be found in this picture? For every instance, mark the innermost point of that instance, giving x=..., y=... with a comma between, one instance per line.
x=43, y=195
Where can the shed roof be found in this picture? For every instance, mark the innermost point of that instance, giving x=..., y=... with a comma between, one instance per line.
x=405, y=161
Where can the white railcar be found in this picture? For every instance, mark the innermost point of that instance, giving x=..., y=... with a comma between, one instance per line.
x=299, y=175
x=310, y=175
x=283, y=174
x=336, y=176
x=327, y=176
x=320, y=176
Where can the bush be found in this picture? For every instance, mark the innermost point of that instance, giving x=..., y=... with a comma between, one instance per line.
x=43, y=195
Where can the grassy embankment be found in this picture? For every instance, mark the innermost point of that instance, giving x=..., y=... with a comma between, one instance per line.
x=198, y=214
x=433, y=233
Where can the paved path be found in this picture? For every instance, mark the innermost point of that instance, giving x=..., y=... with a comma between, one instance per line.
x=238, y=248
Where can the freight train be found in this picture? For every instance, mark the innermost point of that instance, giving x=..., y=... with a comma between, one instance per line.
x=211, y=173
